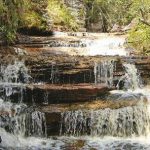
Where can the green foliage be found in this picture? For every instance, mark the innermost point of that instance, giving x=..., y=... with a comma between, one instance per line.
x=120, y=12
x=109, y=12
x=10, y=14
x=139, y=38
x=32, y=16
x=60, y=15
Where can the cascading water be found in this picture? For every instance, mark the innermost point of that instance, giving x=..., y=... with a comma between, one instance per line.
x=107, y=45
x=103, y=72
x=23, y=127
x=12, y=78
x=132, y=78
x=123, y=122
x=17, y=120
x=125, y=127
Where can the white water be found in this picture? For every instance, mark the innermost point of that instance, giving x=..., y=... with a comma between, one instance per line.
x=107, y=45
x=124, y=122
x=17, y=120
x=124, y=128
x=13, y=77
x=132, y=80
x=103, y=72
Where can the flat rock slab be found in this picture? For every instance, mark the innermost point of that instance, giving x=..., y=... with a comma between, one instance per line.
x=94, y=105
x=67, y=93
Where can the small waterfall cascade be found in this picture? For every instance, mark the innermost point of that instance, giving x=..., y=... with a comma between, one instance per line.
x=102, y=121
x=17, y=118
x=103, y=72
x=73, y=123
x=123, y=122
x=132, y=79
x=20, y=120
x=13, y=77
x=54, y=72
x=14, y=73
x=130, y=121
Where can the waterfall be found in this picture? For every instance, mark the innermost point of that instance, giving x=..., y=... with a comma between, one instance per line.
x=129, y=121
x=103, y=72
x=73, y=123
x=18, y=119
x=123, y=122
x=54, y=72
x=131, y=79
x=12, y=78
x=14, y=73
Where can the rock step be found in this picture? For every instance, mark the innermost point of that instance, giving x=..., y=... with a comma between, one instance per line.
x=55, y=44
x=78, y=69
x=67, y=93
x=53, y=112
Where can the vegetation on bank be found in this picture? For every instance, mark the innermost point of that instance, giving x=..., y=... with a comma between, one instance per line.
x=61, y=15
x=139, y=38
x=49, y=14
x=40, y=14
x=10, y=13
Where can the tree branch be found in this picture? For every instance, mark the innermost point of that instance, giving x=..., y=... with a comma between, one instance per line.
x=145, y=22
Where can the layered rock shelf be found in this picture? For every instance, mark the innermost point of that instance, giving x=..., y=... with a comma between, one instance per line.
x=65, y=93
x=63, y=79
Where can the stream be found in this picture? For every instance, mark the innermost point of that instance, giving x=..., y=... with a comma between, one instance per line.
x=124, y=126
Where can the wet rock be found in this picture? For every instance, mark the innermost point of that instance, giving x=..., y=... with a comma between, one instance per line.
x=54, y=112
x=66, y=93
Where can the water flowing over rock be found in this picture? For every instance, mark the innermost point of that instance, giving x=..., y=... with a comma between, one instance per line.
x=103, y=72
x=12, y=77
x=123, y=122
x=18, y=119
x=57, y=87
x=132, y=79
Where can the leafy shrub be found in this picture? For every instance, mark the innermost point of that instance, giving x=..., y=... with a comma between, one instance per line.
x=139, y=38
x=60, y=15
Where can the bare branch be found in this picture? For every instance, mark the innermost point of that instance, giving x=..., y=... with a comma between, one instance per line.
x=145, y=22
